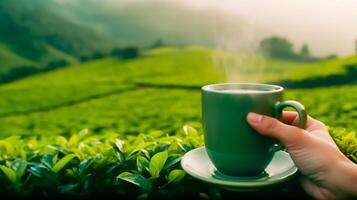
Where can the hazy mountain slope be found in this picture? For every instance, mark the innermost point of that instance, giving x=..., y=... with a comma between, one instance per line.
x=32, y=31
x=143, y=22
x=9, y=58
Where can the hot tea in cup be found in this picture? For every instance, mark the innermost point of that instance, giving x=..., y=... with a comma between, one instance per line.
x=232, y=145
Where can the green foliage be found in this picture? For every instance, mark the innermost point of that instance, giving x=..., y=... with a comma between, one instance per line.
x=89, y=163
x=10, y=174
x=126, y=53
x=102, y=93
x=156, y=164
x=9, y=58
x=158, y=91
x=61, y=163
x=281, y=48
x=137, y=179
x=32, y=39
x=335, y=106
x=143, y=166
x=107, y=86
x=346, y=141
x=277, y=47
x=322, y=69
x=176, y=175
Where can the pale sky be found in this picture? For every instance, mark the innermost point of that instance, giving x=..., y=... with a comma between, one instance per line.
x=328, y=26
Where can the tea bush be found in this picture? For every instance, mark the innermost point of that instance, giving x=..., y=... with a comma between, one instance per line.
x=346, y=141
x=85, y=165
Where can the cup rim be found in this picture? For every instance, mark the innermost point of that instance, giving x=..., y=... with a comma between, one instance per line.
x=275, y=88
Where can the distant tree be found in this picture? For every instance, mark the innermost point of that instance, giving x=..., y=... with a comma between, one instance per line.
x=157, y=44
x=332, y=56
x=116, y=52
x=97, y=55
x=305, y=55
x=305, y=51
x=126, y=53
x=277, y=47
x=84, y=58
x=130, y=53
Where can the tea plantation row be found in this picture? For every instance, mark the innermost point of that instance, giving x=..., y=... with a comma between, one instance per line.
x=119, y=166
x=103, y=95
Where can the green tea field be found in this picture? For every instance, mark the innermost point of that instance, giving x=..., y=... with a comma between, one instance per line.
x=157, y=91
x=134, y=111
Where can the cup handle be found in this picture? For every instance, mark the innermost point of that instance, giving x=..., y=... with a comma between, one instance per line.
x=278, y=113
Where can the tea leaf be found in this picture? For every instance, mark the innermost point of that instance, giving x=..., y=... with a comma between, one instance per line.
x=157, y=162
x=10, y=174
x=189, y=131
x=184, y=147
x=120, y=145
x=83, y=167
x=47, y=160
x=38, y=170
x=67, y=188
x=19, y=167
x=136, y=179
x=171, y=161
x=142, y=164
x=176, y=175
x=83, y=133
x=60, y=164
x=146, y=153
x=73, y=141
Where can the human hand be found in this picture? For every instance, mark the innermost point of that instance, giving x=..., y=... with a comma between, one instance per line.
x=328, y=173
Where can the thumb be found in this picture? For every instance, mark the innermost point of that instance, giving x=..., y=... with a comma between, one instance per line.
x=268, y=126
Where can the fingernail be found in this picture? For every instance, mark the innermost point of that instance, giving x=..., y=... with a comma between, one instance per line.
x=254, y=118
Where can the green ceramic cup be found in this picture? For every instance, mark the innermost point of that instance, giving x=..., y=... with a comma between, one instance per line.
x=232, y=145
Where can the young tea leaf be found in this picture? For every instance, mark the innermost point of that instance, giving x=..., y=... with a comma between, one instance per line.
x=176, y=175
x=19, y=166
x=142, y=164
x=10, y=174
x=38, y=170
x=136, y=179
x=120, y=145
x=83, y=133
x=189, y=131
x=73, y=141
x=47, y=160
x=171, y=161
x=60, y=164
x=67, y=188
x=157, y=162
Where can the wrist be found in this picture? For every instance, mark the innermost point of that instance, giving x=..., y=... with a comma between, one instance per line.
x=349, y=184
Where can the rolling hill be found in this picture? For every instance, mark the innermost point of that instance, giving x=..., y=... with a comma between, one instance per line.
x=30, y=34
x=159, y=90
x=37, y=32
x=10, y=58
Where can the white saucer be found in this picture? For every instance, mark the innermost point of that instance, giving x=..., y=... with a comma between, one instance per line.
x=197, y=164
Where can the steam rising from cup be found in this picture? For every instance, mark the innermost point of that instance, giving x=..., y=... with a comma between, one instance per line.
x=237, y=53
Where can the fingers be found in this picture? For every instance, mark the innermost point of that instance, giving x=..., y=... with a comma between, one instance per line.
x=286, y=134
x=292, y=117
x=289, y=117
